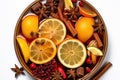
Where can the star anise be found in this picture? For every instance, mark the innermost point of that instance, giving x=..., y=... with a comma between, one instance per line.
x=71, y=73
x=73, y=14
x=18, y=71
x=44, y=13
x=99, y=26
x=41, y=10
x=57, y=76
x=52, y=5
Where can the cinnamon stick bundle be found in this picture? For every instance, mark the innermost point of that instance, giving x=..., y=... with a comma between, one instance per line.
x=67, y=23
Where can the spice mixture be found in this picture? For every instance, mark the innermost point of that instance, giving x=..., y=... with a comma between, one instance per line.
x=63, y=39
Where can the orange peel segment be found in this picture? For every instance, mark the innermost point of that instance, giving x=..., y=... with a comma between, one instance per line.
x=87, y=12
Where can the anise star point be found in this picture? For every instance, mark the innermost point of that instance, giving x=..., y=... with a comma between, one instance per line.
x=57, y=76
x=72, y=14
x=71, y=73
x=99, y=26
x=18, y=71
x=52, y=5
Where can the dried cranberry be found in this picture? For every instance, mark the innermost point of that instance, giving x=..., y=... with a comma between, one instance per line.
x=44, y=71
x=81, y=3
x=87, y=69
x=74, y=1
x=47, y=79
x=32, y=66
x=88, y=61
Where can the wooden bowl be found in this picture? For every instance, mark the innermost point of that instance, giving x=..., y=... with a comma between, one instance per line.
x=25, y=66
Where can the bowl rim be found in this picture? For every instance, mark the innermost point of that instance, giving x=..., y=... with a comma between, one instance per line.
x=101, y=60
x=21, y=60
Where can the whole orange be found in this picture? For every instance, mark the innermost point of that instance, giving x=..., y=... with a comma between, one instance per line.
x=30, y=26
x=84, y=28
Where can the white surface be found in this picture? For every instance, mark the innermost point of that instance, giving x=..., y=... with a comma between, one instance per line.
x=10, y=12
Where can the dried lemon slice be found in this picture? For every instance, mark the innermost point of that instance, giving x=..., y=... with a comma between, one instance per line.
x=95, y=51
x=72, y=53
x=53, y=29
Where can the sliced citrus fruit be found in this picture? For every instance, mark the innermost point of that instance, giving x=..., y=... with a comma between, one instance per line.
x=71, y=53
x=68, y=4
x=94, y=58
x=95, y=51
x=24, y=48
x=53, y=29
x=87, y=12
x=42, y=50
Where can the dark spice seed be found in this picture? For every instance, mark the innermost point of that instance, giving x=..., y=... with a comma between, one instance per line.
x=32, y=34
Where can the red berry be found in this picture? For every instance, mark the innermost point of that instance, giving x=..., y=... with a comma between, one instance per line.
x=88, y=61
x=74, y=1
x=60, y=69
x=87, y=69
x=55, y=66
x=33, y=66
x=81, y=3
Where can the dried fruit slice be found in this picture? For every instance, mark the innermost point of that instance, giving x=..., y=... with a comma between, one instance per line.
x=53, y=29
x=68, y=4
x=95, y=51
x=71, y=53
x=94, y=58
x=87, y=12
x=42, y=50
x=24, y=48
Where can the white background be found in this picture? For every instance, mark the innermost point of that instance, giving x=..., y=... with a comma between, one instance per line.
x=10, y=10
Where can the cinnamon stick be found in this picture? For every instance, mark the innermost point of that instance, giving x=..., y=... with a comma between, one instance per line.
x=102, y=71
x=99, y=42
x=60, y=13
x=61, y=4
x=36, y=7
x=67, y=22
x=70, y=27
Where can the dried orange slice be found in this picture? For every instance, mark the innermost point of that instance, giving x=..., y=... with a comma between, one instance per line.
x=42, y=50
x=53, y=29
x=24, y=48
x=72, y=53
x=87, y=12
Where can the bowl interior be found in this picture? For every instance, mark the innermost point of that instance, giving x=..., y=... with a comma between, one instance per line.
x=18, y=51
